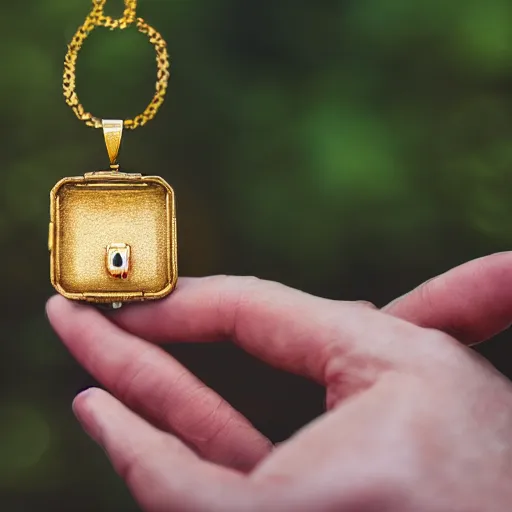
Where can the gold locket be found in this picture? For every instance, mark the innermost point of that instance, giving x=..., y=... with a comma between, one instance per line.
x=112, y=236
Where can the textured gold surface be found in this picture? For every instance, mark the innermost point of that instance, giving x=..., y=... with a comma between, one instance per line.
x=97, y=18
x=90, y=213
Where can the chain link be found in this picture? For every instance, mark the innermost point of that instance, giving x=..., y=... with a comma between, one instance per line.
x=97, y=18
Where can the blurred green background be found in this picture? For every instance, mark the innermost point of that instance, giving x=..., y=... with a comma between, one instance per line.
x=351, y=148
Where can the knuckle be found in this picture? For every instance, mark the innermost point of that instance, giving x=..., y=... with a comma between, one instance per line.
x=215, y=425
x=249, y=281
x=440, y=357
x=441, y=346
x=172, y=408
x=244, y=288
x=231, y=282
x=366, y=304
x=426, y=294
x=239, y=294
x=360, y=305
x=200, y=416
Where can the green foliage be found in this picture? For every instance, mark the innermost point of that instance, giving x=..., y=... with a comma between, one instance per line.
x=352, y=148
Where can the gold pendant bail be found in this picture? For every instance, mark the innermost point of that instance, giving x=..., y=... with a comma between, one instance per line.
x=113, y=132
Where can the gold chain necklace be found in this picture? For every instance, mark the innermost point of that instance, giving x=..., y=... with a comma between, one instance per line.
x=112, y=235
x=95, y=19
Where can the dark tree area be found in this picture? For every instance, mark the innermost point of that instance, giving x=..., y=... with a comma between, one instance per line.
x=350, y=148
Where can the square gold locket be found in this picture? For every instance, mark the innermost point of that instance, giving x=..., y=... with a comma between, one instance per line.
x=112, y=237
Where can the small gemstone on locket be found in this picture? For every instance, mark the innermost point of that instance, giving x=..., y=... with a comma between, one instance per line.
x=117, y=260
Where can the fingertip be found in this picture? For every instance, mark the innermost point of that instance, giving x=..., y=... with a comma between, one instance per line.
x=82, y=397
x=70, y=320
x=58, y=305
x=53, y=305
x=83, y=410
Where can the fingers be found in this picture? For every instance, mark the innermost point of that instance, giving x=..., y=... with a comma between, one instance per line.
x=162, y=473
x=155, y=384
x=286, y=328
x=472, y=302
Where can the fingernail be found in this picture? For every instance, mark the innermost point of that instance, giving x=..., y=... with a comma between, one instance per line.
x=48, y=306
x=84, y=413
x=78, y=402
x=85, y=392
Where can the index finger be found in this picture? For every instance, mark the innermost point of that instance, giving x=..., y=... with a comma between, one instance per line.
x=286, y=328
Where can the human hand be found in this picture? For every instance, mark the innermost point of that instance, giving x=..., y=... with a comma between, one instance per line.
x=415, y=421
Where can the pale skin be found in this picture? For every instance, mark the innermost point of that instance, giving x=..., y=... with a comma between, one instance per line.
x=416, y=421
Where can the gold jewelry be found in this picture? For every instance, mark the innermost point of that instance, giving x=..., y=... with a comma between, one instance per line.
x=96, y=18
x=112, y=236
